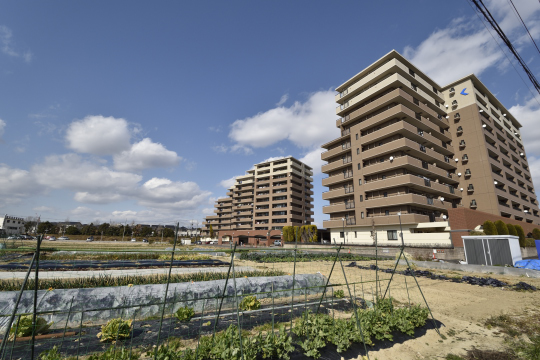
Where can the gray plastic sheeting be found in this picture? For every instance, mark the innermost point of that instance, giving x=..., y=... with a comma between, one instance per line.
x=143, y=300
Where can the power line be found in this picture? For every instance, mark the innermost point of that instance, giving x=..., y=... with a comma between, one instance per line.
x=505, y=54
x=525, y=26
x=491, y=20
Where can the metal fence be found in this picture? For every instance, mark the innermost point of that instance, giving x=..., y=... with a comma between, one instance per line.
x=187, y=302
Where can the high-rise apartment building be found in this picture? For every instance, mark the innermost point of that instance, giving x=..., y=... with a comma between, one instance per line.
x=411, y=151
x=273, y=194
x=490, y=156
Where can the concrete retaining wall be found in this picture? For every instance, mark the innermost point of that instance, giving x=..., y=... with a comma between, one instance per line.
x=143, y=300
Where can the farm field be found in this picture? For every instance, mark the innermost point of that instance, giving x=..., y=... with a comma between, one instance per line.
x=464, y=312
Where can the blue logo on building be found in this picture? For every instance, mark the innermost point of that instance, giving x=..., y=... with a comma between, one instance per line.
x=463, y=92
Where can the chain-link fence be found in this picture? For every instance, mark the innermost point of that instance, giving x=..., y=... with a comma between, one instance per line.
x=211, y=302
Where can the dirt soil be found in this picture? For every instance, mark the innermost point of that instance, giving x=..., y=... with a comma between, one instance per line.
x=459, y=308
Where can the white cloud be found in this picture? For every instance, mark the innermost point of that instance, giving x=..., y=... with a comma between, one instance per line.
x=283, y=100
x=99, y=135
x=43, y=208
x=220, y=148
x=144, y=155
x=71, y=171
x=16, y=184
x=313, y=159
x=468, y=46
x=2, y=128
x=227, y=183
x=166, y=194
x=528, y=115
x=6, y=45
x=306, y=125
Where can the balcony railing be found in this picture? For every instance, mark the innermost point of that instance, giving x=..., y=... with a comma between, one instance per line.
x=350, y=221
x=345, y=132
x=349, y=205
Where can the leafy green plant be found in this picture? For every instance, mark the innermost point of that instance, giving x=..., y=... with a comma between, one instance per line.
x=277, y=346
x=536, y=233
x=115, y=329
x=520, y=233
x=24, y=328
x=184, y=314
x=250, y=303
x=51, y=354
x=113, y=353
x=339, y=294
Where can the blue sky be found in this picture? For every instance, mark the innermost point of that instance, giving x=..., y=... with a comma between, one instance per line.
x=144, y=111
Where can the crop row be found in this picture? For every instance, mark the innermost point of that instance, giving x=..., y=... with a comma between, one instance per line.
x=120, y=256
x=107, y=280
x=310, y=334
x=472, y=280
x=288, y=256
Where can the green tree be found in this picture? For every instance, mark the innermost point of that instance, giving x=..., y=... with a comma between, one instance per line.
x=502, y=229
x=511, y=230
x=211, y=229
x=536, y=234
x=89, y=229
x=168, y=232
x=103, y=228
x=28, y=226
x=489, y=228
x=146, y=231
x=73, y=230
x=521, y=235
x=45, y=227
x=308, y=233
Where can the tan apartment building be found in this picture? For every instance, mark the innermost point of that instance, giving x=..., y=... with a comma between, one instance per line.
x=400, y=157
x=268, y=197
x=490, y=156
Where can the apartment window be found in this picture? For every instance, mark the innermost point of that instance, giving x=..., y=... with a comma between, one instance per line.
x=357, y=151
x=434, y=90
x=359, y=181
x=392, y=234
x=385, y=194
x=362, y=215
x=356, y=136
x=413, y=86
x=361, y=198
x=387, y=212
x=381, y=160
x=341, y=234
x=411, y=72
x=358, y=166
x=383, y=177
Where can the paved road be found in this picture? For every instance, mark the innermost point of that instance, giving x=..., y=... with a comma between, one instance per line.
x=15, y=275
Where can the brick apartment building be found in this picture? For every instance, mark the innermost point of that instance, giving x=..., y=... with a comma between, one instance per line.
x=272, y=195
x=410, y=150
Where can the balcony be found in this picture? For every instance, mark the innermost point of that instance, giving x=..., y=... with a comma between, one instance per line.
x=410, y=132
x=337, y=193
x=403, y=199
x=336, y=151
x=414, y=182
x=336, y=165
x=410, y=146
x=412, y=164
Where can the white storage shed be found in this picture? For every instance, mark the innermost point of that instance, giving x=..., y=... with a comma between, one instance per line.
x=491, y=249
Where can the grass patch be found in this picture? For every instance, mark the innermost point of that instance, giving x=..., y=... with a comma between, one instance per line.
x=108, y=281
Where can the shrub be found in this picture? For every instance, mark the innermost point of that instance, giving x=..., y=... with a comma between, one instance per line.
x=489, y=228
x=25, y=327
x=250, y=303
x=529, y=243
x=536, y=233
x=502, y=229
x=511, y=230
x=340, y=294
x=184, y=314
x=115, y=329
x=520, y=233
